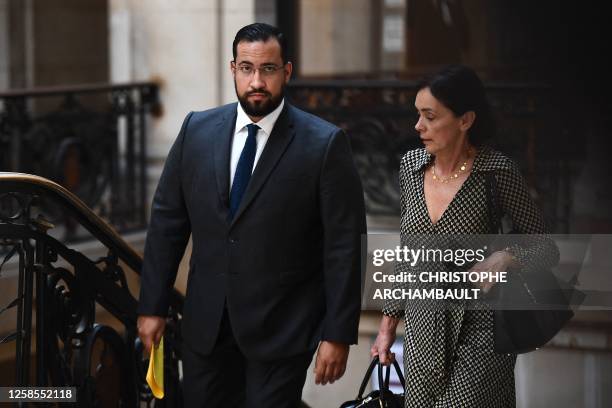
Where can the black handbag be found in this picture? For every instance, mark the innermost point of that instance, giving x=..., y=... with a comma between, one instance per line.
x=522, y=331
x=383, y=397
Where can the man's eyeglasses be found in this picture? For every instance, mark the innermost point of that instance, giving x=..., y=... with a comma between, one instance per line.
x=267, y=70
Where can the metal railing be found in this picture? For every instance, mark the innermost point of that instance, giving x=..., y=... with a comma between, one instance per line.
x=91, y=139
x=60, y=289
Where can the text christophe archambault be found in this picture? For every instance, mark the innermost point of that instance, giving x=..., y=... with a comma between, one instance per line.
x=410, y=281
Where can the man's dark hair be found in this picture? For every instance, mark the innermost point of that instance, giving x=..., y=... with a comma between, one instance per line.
x=260, y=32
x=459, y=89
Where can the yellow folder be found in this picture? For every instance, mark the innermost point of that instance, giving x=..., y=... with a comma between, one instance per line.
x=155, y=373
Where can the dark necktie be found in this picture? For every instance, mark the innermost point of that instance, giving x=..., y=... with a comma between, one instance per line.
x=243, y=170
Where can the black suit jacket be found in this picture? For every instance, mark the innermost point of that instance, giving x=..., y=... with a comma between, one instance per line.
x=288, y=265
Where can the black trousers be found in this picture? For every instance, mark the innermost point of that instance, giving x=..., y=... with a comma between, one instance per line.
x=226, y=378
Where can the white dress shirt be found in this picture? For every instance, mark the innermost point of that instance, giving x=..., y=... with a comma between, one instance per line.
x=266, y=124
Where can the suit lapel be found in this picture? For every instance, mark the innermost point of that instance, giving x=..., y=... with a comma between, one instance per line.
x=222, y=150
x=281, y=136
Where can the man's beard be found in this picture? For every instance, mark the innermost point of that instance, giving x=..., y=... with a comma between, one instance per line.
x=260, y=108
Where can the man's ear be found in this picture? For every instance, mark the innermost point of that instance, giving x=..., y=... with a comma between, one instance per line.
x=288, y=70
x=467, y=120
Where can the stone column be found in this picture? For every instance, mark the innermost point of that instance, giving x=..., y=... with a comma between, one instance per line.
x=347, y=50
x=175, y=44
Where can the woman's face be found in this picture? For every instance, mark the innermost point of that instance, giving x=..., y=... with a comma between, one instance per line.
x=439, y=128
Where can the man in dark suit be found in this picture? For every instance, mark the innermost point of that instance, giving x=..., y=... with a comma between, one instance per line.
x=274, y=203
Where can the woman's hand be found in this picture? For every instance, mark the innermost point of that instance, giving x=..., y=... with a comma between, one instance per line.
x=499, y=261
x=384, y=340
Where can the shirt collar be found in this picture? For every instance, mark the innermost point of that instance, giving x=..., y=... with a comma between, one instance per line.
x=486, y=159
x=266, y=123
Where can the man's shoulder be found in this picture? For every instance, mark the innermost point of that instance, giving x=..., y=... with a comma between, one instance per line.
x=313, y=123
x=202, y=126
x=213, y=114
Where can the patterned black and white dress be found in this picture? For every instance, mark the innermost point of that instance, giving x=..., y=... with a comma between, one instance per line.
x=449, y=357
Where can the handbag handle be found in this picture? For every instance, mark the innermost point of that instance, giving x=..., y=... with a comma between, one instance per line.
x=400, y=376
x=383, y=384
x=367, y=376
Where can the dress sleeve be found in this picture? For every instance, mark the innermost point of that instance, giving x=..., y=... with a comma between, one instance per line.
x=535, y=250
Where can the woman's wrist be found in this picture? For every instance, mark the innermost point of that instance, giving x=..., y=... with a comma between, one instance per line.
x=389, y=323
x=509, y=258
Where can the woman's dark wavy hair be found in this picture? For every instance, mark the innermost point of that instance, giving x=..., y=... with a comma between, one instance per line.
x=460, y=90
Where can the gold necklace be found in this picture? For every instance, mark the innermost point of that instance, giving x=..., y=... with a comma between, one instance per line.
x=455, y=175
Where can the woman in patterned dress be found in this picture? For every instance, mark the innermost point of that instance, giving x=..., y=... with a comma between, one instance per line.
x=449, y=358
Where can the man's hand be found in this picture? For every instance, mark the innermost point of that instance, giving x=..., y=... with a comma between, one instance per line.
x=384, y=340
x=150, y=330
x=331, y=362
